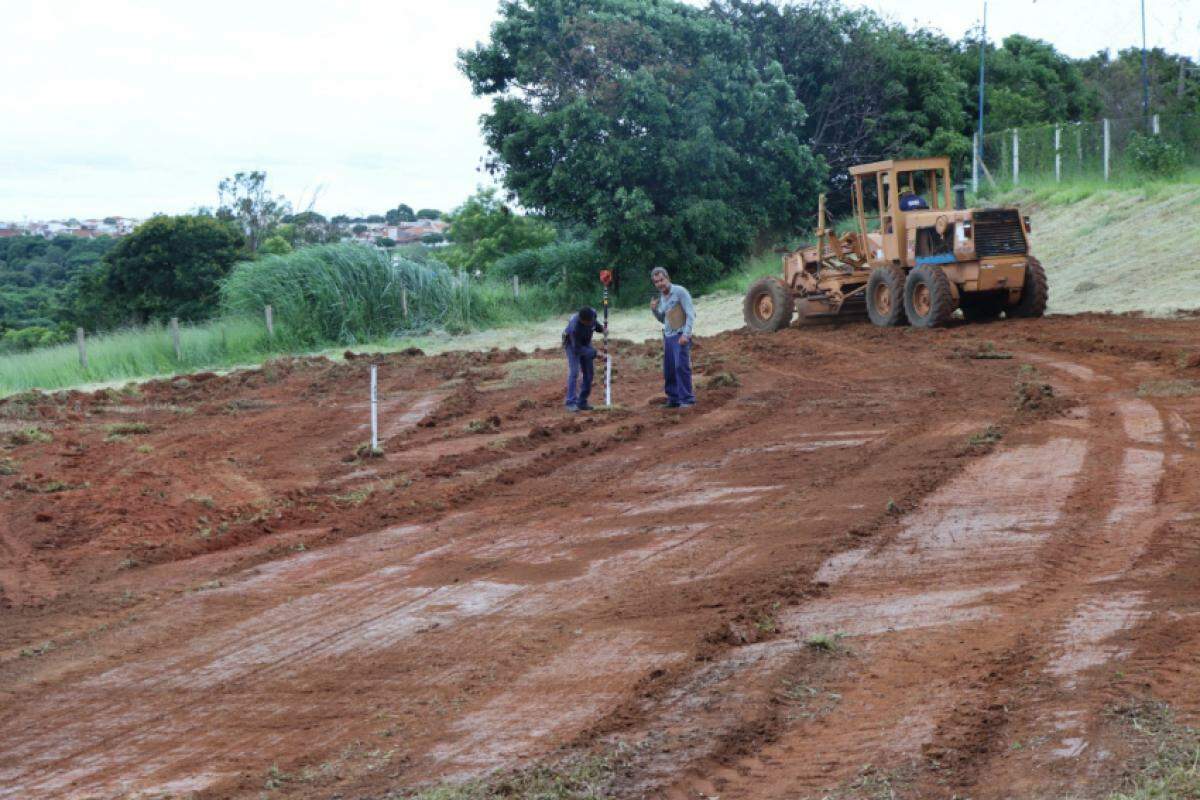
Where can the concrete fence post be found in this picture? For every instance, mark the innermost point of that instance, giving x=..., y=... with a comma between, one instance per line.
x=1154, y=125
x=270, y=314
x=516, y=287
x=1058, y=153
x=1107, y=147
x=404, y=302
x=1016, y=156
x=975, y=163
x=79, y=341
x=175, y=338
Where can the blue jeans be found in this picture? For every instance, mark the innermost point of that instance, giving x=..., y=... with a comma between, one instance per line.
x=677, y=370
x=580, y=370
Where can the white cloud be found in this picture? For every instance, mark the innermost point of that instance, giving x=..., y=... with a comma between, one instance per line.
x=128, y=107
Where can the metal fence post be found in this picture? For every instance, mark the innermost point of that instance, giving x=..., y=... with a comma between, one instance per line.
x=1016, y=156
x=1107, y=147
x=1058, y=153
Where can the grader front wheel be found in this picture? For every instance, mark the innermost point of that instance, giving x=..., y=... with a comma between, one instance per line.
x=928, y=299
x=769, y=305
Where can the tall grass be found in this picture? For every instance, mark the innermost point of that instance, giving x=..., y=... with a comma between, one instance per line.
x=139, y=353
x=344, y=293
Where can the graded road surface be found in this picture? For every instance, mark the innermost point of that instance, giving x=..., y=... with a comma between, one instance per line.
x=877, y=563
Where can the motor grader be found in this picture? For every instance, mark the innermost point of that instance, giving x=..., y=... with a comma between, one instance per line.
x=914, y=258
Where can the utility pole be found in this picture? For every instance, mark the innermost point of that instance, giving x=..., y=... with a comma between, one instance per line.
x=982, y=50
x=1145, y=71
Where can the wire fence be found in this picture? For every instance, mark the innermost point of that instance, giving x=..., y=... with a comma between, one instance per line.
x=1107, y=149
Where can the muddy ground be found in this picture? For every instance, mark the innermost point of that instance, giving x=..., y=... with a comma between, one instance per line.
x=878, y=563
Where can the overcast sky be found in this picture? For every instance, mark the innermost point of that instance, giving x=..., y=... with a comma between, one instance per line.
x=130, y=108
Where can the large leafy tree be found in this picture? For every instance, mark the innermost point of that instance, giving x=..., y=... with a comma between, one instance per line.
x=170, y=266
x=649, y=122
x=872, y=89
x=1028, y=83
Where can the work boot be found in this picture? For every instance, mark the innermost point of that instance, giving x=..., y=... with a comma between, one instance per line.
x=586, y=407
x=572, y=409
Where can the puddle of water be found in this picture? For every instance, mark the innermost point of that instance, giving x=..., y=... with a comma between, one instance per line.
x=1082, y=640
x=1141, y=472
x=874, y=614
x=700, y=497
x=1142, y=421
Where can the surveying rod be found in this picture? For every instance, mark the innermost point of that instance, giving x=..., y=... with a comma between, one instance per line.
x=606, y=277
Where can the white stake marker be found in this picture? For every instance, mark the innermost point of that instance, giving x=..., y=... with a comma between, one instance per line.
x=374, y=408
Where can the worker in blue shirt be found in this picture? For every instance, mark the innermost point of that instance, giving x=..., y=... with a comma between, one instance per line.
x=577, y=344
x=674, y=309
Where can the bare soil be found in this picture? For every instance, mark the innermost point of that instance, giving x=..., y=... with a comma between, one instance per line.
x=923, y=564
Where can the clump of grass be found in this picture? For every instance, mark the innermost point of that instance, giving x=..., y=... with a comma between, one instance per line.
x=824, y=642
x=122, y=429
x=32, y=435
x=37, y=650
x=588, y=777
x=1169, y=388
x=48, y=486
x=988, y=436
x=9, y=467
x=1170, y=767
x=722, y=379
x=487, y=425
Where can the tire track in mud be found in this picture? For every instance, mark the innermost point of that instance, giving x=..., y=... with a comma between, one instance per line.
x=959, y=733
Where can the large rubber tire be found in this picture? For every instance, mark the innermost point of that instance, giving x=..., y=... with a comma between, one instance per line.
x=1034, y=294
x=885, y=297
x=928, y=299
x=769, y=305
x=981, y=309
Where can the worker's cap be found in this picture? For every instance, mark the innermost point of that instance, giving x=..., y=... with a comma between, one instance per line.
x=587, y=312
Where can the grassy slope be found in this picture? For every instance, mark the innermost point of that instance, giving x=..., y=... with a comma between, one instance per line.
x=1117, y=249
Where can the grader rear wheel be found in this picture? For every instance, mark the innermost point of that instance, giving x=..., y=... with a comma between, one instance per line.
x=769, y=305
x=928, y=299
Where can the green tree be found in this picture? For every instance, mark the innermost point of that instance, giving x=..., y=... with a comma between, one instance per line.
x=245, y=199
x=401, y=213
x=429, y=213
x=171, y=266
x=484, y=229
x=648, y=122
x=872, y=90
x=275, y=246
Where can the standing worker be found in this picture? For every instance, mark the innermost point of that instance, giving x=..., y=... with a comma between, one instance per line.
x=577, y=343
x=675, y=311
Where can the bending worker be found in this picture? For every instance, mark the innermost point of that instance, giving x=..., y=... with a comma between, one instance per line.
x=675, y=311
x=577, y=344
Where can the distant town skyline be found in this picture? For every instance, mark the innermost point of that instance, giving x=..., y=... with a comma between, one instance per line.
x=133, y=107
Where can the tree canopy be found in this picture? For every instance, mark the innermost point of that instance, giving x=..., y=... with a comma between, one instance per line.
x=649, y=123
x=484, y=229
x=170, y=266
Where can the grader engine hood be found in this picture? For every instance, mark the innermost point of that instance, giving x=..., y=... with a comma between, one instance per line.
x=943, y=237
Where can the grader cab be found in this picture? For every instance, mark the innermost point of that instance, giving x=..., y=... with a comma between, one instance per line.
x=913, y=257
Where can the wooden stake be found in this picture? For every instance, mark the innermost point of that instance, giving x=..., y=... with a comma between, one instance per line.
x=175, y=338
x=82, y=348
x=270, y=313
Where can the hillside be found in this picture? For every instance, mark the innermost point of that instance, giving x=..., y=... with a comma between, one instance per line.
x=1118, y=250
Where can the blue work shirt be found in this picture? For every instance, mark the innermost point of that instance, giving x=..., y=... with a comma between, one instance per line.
x=578, y=335
x=676, y=296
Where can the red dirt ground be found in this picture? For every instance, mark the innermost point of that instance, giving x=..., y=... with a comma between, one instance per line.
x=224, y=598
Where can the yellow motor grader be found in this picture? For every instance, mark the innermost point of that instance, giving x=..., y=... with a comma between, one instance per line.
x=915, y=257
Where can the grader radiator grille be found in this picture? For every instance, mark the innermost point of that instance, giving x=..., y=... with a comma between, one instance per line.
x=998, y=233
